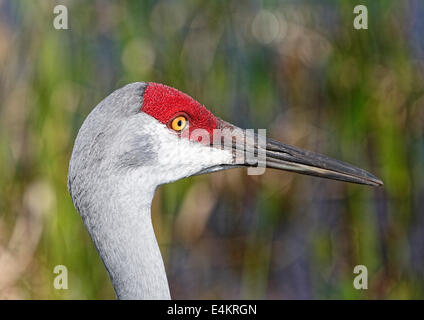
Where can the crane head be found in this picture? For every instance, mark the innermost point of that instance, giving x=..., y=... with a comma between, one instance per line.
x=159, y=134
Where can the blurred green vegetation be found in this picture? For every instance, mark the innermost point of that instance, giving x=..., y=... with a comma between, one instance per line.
x=297, y=68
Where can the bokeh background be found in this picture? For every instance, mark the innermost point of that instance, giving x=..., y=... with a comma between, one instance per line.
x=297, y=68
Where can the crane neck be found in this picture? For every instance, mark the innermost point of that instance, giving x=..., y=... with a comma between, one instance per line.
x=123, y=234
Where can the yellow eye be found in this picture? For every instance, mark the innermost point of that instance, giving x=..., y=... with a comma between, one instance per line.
x=179, y=123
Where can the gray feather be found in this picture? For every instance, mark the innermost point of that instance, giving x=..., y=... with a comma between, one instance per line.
x=113, y=201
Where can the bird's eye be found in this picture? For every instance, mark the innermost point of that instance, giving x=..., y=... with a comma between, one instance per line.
x=179, y=123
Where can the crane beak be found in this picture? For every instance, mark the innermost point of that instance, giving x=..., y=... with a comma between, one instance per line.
x=285, y=157
x=282, y=156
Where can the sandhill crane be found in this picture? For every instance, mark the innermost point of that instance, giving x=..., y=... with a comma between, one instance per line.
x=130, y=144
